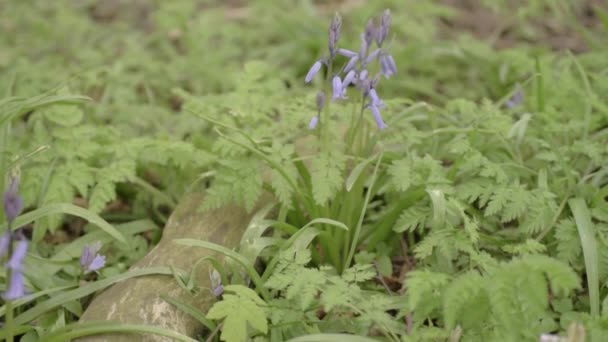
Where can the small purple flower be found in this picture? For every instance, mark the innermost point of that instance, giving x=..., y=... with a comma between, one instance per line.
x=216, y=283
x=5, y=240
x=377, y=116
x=375, y=100
x=16, y=286
x=16, y=260
x=313, y=122
x=370, y=32
x=13, y=203
x=334, y=34
x=348, y=79
x=351, y=63
x=516, y=99
x=372, y=56
x=347, y=53
x=314, y=69
x=337, y=90
x=90, y=260
x=320, y=101
x=363, y=75
x=387, y=65
x=363, y=49
x=385, y=23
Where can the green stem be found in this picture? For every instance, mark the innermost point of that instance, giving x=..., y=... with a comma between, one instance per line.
x=9, y=316
x=357, y=231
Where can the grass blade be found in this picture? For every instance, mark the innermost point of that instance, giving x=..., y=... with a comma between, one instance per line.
x=70, y=209
x=73, y=331
x=190, y=310
x=247, y=265
x=586, y=232
x=86, y=290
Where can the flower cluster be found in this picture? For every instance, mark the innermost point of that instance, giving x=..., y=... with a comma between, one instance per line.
x=13, y=204
x=356, y=71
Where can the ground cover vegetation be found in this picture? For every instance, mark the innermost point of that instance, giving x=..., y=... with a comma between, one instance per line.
x=416, y=170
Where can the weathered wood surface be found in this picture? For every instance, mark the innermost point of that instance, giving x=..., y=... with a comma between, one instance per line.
x=137, y=300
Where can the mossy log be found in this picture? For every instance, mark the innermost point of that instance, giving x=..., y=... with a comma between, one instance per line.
x=138, y=301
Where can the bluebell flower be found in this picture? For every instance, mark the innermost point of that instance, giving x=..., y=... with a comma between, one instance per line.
x=338, y=92
x=334, y=35
x=375, y=100
x=320, y=101
x=387, y=65
x=347, y=53
x=349, y=79
x=377, y=117
x=13, y=203
x=382, y=31
x=16, y=286
x=314, y=69
x=5, y=240
x=90, y=260
x=363, y=75
x=372, y=56
x=320, y=104
x=363, y=49
x=16, y=260
x=370, y=32
x=216, y=283
x=352, y=63
x=516, y=99
x=313, y=122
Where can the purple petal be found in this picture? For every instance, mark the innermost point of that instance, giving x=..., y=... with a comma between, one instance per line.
x=391, y=64
x=385, y=67
x=370, y=31
x=336, y=84
x=98, y=262
x=217, y=291
x=372, y=56
x=320, y=100
x=348, y=79
x=375, y=99
x=16, y=286
x=363, y=49
x=314, y=69
x=377, y=117
x=516, y=99
x=13, y=203
x=351, y=64
x=18, y=255
x=88, y=253
x=346, y=53
x=5, y=240
x=363, y=75
x=313, y=122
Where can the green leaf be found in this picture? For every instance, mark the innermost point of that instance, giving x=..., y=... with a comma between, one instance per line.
x=586, y=232
x=326, y=176
x=64, y=297
x=70, y=209
x=240, y=305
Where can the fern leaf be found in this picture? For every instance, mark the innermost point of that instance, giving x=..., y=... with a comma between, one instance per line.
x=326, y=176
x=411, y=218
x=464, y=298
x=401, y=173
x=568, y=243
x=103, y=192
x=239, y=181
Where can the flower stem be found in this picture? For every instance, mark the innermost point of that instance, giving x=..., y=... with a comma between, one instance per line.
x=9, y=316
